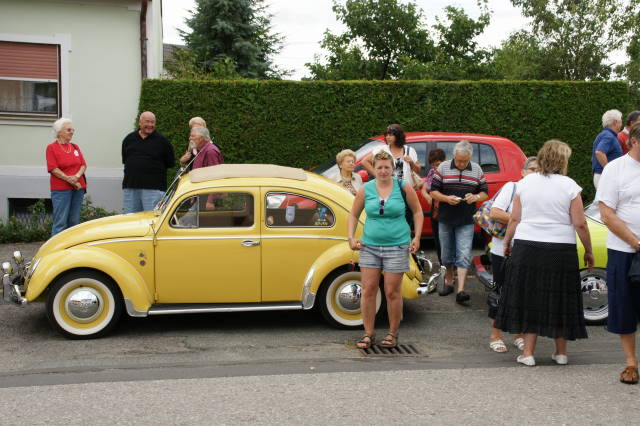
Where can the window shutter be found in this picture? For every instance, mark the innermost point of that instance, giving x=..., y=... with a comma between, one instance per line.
x=28, y=60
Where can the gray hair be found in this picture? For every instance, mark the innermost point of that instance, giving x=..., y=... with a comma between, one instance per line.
x=202, y=131
x=528, y=161
x=58, y=125
x=463, y=147
x=197, y=121
x=611, y=116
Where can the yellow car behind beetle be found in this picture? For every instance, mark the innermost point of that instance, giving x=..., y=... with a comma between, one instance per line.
x=275, y=239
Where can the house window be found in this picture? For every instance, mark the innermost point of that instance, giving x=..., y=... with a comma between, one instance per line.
x=29, y=80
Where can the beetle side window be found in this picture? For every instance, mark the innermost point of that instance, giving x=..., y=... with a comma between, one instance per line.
x=215, y=210
x=293, y=210
x=488, y=159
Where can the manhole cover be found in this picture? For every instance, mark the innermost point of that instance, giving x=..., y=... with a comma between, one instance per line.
x=400, y=350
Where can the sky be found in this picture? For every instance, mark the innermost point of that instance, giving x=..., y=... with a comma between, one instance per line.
x=303, y=22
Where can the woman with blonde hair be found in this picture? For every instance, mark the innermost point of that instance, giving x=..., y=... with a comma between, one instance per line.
x=346, y=161
x=385, y=244
x=541, y=292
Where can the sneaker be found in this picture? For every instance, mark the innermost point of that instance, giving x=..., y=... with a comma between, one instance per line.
x=448, y=289
x=462, y=297
x=560, y=359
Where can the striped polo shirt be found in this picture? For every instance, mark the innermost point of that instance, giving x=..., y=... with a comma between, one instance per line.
x=449, y=180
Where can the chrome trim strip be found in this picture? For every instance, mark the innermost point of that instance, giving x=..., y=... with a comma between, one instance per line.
x=216, y=307
x=308, y=298
x=132, y=311
x=124, y=240
x=274, y=237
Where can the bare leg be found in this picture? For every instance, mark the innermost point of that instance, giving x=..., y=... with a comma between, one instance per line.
x=530, y=340
x=462, y=276
x=392, y=282
x=496, y=333
x=370, y=286
x=449, y=275
x=561, y=346
x=629, y=346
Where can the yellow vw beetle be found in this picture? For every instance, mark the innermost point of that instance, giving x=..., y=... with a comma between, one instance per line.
x=227, y=238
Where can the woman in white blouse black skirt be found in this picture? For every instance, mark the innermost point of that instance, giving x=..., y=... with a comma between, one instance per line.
x=541, y=293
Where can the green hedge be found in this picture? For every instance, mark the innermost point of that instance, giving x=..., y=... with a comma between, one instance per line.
x=302, y=124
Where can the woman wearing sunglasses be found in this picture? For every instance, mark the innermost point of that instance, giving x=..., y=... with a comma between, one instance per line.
x=385, y=244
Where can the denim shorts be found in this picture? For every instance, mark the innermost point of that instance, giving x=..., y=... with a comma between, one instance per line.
x=455, y=243
x=624, y=297
x=394, y=259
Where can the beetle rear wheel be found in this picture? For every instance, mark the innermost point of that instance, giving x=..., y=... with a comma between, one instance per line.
x=84, y=304
x=339, y=299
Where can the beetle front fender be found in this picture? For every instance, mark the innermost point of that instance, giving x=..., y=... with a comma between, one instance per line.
x=126, y=277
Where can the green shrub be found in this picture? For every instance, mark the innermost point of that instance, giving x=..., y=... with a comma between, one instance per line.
x=302, y=124
x=37, y=227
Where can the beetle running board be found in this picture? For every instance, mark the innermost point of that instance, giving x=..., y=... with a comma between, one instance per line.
x=199, y=308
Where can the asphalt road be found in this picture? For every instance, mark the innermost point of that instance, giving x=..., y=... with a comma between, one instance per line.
x=290, y=367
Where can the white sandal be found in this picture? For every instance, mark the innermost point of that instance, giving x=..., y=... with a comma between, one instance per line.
x=519, y=343
x=498, y=346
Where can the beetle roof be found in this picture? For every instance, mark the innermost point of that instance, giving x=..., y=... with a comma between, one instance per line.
x=223, y=171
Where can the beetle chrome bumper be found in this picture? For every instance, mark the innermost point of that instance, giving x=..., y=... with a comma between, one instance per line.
x=11, y=292
x=430, y=279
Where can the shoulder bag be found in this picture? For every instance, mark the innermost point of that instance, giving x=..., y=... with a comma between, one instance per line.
x=483, y=219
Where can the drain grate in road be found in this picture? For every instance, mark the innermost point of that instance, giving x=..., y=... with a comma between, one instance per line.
x=400, y=350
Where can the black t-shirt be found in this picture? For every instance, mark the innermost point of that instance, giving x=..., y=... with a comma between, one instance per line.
x=146, y=161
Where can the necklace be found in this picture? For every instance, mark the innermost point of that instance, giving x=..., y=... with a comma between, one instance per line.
x=62, y=145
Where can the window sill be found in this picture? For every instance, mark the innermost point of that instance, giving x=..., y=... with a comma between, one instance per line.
x=29, y=122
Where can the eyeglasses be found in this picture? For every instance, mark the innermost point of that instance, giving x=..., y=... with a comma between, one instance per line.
x=381, y=212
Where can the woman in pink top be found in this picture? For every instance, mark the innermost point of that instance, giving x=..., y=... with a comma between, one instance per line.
x=66, y=165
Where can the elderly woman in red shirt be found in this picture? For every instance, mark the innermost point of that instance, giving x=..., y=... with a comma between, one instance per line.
x=66, y=165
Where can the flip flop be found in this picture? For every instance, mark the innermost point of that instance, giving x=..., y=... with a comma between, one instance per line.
x=519, y=343
x=498, y=346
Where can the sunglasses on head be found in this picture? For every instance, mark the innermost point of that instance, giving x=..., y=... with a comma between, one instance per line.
x=381, y=212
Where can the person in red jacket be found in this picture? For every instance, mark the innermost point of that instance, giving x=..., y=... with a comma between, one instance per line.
x=623, y=136
x=66, y=165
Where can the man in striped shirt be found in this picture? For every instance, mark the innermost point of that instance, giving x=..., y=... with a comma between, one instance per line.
x=458, y=184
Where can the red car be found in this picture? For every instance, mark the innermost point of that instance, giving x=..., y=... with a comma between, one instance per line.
x=500, y=159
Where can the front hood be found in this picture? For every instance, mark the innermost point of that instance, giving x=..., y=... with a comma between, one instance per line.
x=130, y=225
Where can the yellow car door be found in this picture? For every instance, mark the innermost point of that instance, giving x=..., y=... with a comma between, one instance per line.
x=208, y=250
x=297, y=227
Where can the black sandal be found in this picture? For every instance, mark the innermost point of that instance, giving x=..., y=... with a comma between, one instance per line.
x=366, y=344
x=393, y=342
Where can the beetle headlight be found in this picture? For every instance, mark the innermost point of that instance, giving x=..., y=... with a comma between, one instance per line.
x=7, y=267
x=17, y=256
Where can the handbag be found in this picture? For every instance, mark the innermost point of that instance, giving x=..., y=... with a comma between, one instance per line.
x=408, y=213
x=634, y=270
x=417, y=180
x=483, y=219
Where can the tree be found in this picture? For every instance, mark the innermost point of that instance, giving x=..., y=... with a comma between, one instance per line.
x=457, y=55
x=236, y=30
x=569, y=39
x=184, y=64
x=378, y=33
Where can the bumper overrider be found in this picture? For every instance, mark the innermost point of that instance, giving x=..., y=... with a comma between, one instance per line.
x=15, y=279
x=430, y=278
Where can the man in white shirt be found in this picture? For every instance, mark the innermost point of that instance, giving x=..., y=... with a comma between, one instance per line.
x=618, y=196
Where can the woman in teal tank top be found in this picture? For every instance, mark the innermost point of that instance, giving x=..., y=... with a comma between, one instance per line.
x=384, y=246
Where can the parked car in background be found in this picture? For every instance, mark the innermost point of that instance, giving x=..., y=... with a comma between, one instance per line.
x=276, y=239
x=500, y=158
x=593, y=283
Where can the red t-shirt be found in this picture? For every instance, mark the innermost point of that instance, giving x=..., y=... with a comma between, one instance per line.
x=69, y=162
x=623, y=137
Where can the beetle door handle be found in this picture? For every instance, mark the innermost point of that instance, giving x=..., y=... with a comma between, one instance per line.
x=249, y=243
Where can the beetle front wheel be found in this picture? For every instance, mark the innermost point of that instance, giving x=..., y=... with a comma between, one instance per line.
x=84, y=304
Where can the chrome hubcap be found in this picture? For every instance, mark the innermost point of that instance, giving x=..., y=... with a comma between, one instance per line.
x=84, y=304
x=348, y=296
x=594, y=295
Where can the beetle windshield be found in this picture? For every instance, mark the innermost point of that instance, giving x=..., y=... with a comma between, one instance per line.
x=592, y=211
x=164, y=201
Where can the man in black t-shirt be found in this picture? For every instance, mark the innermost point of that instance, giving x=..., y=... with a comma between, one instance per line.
x=146, y=156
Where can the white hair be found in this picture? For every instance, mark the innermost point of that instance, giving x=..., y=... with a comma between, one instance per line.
x=58, y=125
x=463, y=147
x=197, y=120
x=202, y=131
x=611, y=116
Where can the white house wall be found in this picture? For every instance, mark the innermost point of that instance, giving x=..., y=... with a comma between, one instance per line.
x=102, y=91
